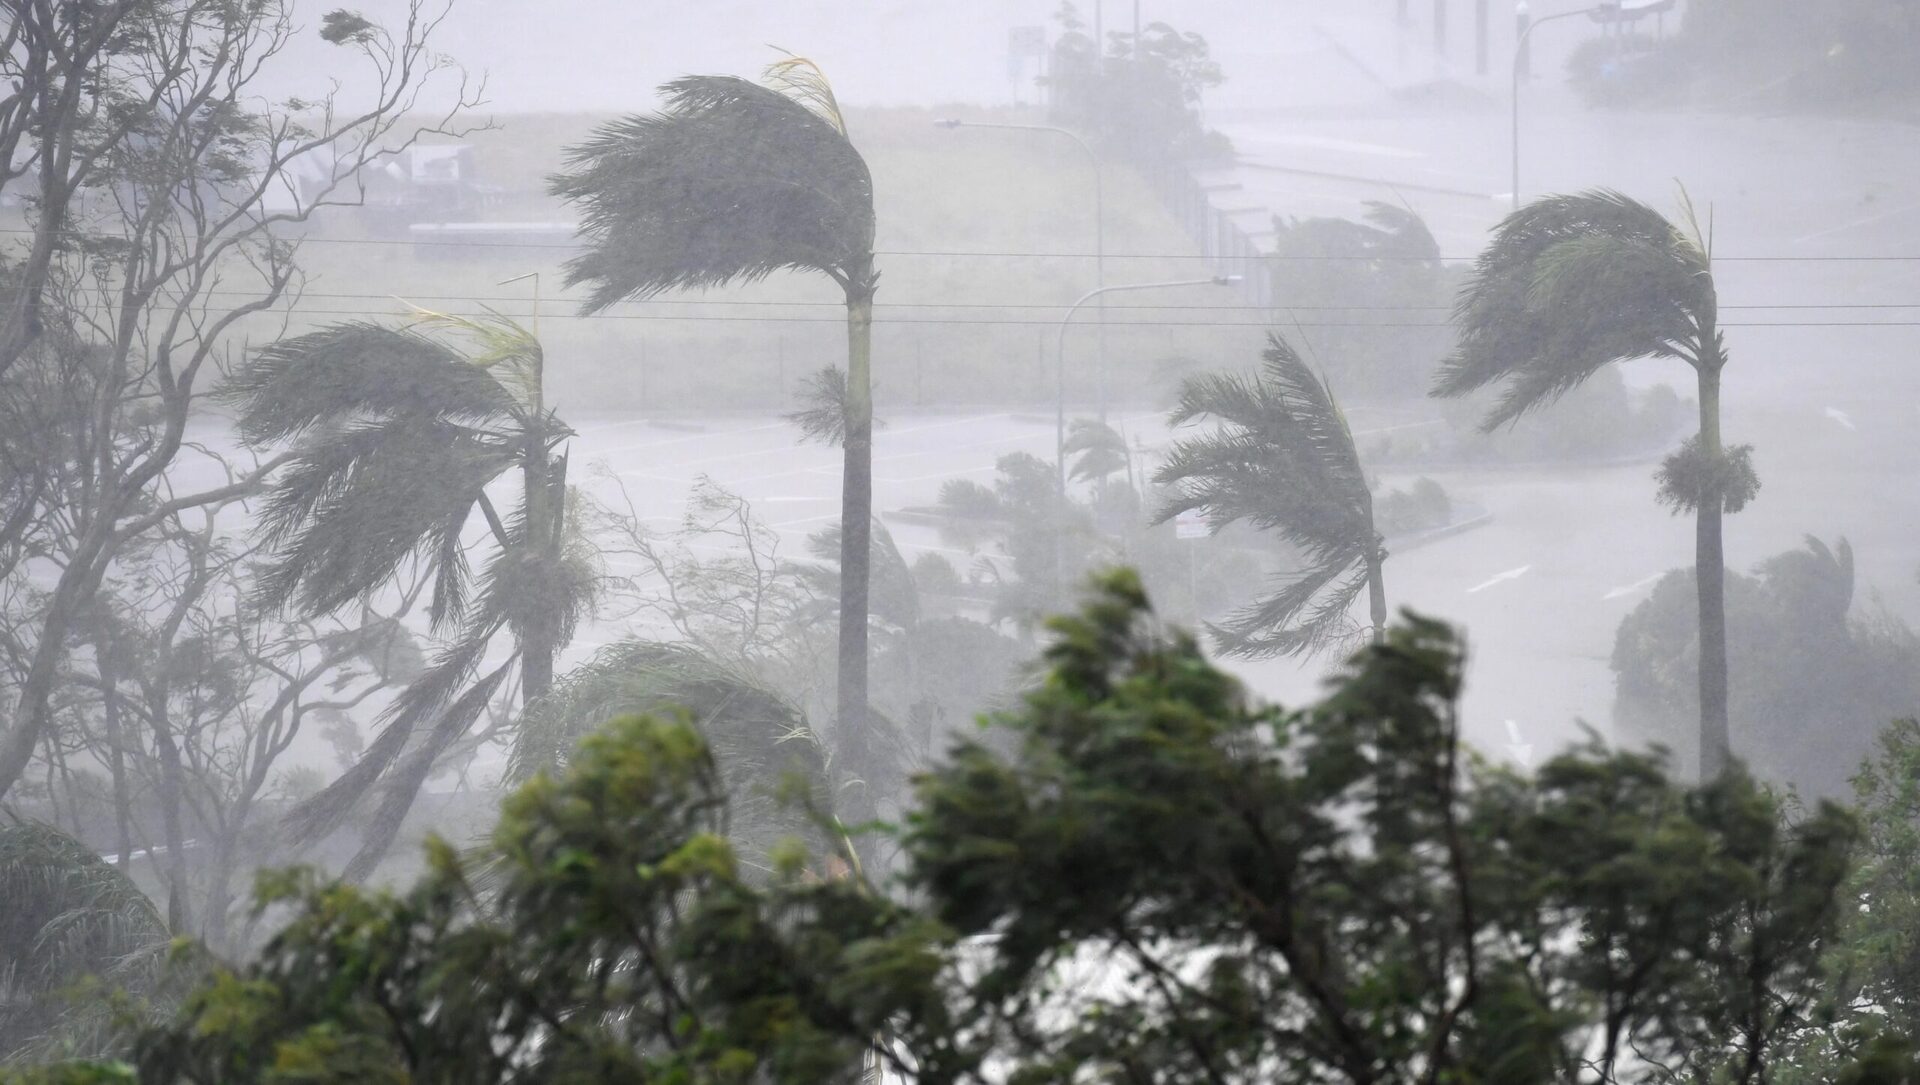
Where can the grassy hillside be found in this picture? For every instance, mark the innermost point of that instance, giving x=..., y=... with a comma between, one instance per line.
x=950, y=329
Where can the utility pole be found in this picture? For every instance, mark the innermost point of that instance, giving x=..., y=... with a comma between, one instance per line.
x=1480, y=37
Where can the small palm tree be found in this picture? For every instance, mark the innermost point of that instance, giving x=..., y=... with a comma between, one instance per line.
x=1282, y=459
x=759, y=740
x=1572, y=284
x=397, y=435
x=68, y=915
x=731, y=182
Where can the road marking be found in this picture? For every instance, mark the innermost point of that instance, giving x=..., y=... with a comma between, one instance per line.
x=1857, y=223
x=692, y=437
x=1500, y=578
x=1637, y=585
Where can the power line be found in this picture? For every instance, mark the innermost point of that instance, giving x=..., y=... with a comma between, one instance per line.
x=521, y=299
x=1024, y=322
x=1034, y=255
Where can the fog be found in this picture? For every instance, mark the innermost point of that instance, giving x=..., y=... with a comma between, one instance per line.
x=390, y=398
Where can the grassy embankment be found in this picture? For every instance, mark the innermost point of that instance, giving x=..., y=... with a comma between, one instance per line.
x=952, y=330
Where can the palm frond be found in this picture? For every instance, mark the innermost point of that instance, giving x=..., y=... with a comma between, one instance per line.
x=1282, y=459
x=421, y=702
x=67, y=915
x=401, y=786
x=802, y=80
x=1568, y=285
x=1307, y=613
x=731, y=182
x=504, y=345
x=758, y=738
x=357, y=371
x=357, y=501
x=823, y=414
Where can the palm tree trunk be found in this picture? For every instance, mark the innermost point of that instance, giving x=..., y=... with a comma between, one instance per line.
x=1709, y=574
x=537, y=647
x=856, y=528
x=1377, y=594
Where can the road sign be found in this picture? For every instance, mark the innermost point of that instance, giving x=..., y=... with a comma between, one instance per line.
x=1027, y=41
x=1191, y=524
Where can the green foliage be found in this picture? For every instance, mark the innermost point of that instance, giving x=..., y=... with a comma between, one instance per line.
x=1282, y=459
x=1693, y=477
x=1813, y=683
x=1371, y=284
x=730, y=183
x=70, y=920
x=395, y=438
x=1423, y=508
x=1163, y=881
x=1569, y=285
x=1139, y=98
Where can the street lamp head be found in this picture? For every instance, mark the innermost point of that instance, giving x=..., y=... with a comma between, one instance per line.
x=1226, y=280
x=1522, y=9
x=948, y=122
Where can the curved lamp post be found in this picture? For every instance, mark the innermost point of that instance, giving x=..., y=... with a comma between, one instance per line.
x=1527, y=27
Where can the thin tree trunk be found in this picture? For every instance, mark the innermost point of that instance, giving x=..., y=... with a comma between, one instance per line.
x=856, y=531
x=1709, y=574
x=537, y=646
x=1377, y=594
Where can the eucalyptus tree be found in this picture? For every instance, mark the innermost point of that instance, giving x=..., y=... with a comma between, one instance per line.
x=732, y=182
x=1572, y=284
x=396, y=436
x=1282, y=459
x=128, y=301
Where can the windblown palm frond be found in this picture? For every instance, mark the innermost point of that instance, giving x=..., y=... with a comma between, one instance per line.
x=1097, y=449
x=823, y=416
x=732, y=181
x=1399, y=233
x=895, y=599
x=505, y=348
x=397, y=437
x=67, y=915
x=1816, y=581
x=1282, y=459
x=1569, y=285
x=355, y=372
x=757, y=737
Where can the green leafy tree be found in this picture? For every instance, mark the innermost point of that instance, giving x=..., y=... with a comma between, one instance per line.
x=1282, y=459
x=1813, y=682
x=1572, y=284
x=396, y=435
x=732, y=182
x=1162, y=881
x=1362, y=285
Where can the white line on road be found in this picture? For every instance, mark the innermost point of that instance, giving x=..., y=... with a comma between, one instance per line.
x=1500, y=578
x=1857, y=223
x=1637, y=585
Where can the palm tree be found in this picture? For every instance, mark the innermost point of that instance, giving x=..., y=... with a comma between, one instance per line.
x=397, y=436
x=1573, y=283
x=69, y=915
x=760, y=741
x=1282, y=460
x=732, y=182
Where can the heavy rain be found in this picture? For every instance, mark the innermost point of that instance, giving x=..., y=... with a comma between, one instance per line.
x=1363, y=541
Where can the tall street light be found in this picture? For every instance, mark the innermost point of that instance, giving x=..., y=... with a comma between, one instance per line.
x=1527, y=26
x=1099, y=220
x=1060, y=392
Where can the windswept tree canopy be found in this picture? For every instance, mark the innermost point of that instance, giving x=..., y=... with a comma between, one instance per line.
x=1281, y=459
x=1569, y=285
x=732, y=181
